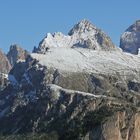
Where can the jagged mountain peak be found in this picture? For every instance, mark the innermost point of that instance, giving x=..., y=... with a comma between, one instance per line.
x=82, y=27
x=83, y=35
x=16, y=54
x=130, y=39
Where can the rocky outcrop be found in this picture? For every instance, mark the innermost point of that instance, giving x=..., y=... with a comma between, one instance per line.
x=130, y=39
x=16, y=54
x=121, y=126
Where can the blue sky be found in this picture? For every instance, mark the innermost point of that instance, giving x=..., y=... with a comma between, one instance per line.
x=26, y=22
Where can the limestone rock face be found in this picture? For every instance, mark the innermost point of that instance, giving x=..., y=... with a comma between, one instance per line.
x=16, y=54
x=130, y=39
x=121, y=126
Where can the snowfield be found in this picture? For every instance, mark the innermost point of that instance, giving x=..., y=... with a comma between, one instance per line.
x=87, y=60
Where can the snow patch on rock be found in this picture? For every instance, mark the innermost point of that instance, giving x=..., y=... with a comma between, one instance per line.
x=68, y=91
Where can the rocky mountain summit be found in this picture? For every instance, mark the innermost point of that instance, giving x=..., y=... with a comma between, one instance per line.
x=74, y=87
x=130, y=39
x=16, y=54
x=82, y=35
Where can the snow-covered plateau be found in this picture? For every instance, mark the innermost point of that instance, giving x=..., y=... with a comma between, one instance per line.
x=88, y=60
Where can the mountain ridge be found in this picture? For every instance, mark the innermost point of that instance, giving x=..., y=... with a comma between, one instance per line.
x=73, y=90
